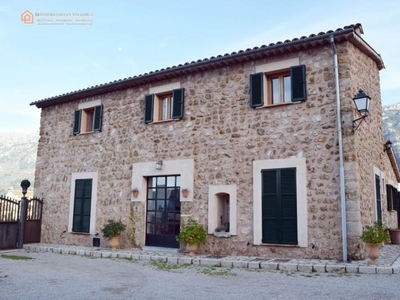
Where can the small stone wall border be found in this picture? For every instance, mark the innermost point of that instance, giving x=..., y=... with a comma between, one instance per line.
x=227, y=262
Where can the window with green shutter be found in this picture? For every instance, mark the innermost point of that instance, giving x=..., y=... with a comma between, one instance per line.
x=278, y=87
x=88, y=120
x=378, y=198
x=82, y=205
x=168, y=105
x=279, y=206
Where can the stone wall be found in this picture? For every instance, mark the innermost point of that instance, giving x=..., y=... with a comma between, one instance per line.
x=223, y=135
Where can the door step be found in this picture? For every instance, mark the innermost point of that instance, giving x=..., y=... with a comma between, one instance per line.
x=160, y=249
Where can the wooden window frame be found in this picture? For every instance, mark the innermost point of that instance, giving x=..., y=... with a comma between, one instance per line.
x=87, y=123
x=159, y=107
x=270, y=91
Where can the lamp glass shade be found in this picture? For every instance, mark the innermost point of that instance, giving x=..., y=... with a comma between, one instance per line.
x=362, y=102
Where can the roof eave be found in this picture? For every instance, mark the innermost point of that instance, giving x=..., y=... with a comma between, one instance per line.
x=214, y=62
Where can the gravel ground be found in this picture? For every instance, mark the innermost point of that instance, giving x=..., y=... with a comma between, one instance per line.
x=56, y=276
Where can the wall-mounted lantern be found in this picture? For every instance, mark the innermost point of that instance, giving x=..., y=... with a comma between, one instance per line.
x=185, y=193
x=362, y=102
x=159, y=164
x=135, y=193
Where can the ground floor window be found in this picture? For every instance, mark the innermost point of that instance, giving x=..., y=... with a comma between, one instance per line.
x=82, y=205
x=279, y=208
x=163, y=212
x=378, y=198
x=280, y=202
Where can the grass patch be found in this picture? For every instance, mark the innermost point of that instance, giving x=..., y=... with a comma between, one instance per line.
x=15, y=257
x=161, y=265
x=217, y=271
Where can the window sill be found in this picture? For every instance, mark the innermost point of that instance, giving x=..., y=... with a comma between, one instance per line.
x=80, y=233
x=164, y=121
x=222, y=234
x=280, y=245
x=276, y=105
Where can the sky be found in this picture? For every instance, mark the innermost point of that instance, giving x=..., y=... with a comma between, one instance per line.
x=127, y=38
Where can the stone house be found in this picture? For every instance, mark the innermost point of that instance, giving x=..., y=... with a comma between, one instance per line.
x=246, y=143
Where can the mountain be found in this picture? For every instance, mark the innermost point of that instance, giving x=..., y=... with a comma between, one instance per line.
x=391, y=127
x=17, y=159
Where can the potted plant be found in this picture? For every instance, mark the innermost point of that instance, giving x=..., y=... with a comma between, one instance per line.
x=373, y=236
x=193, y=234
x=112, y=230
x=394, y=236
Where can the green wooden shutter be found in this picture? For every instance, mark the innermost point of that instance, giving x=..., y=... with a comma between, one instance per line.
x=270, y=194
x=279, y=206
x=298, y=83
x=256, y=89
x=389, y=197
x=378, y=198
x=148, y=108
x=178, y=103
x=288, y=206
x=98, y=115
x=82, y=205
x=77, y=122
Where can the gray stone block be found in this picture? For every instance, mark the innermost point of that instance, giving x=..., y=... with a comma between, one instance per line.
x=367, y=269
x=114, y=255
x=254, y=265
x=210, y=262
x=384, y=270
x=351, y=269
x=240, y=264
x=226, y=263
x=135, y=256
x=64, y=251
x=125, y=255
x=269, y=265
x=80, y=252
x=396, y=270
x=144, y=257
x=320, y=268
x=105, y=254
x=158, y=258
x=95, y=254
x=288, y=266
x=339, y=268
x=172, y=260
x=185, y=260
x=302, y=267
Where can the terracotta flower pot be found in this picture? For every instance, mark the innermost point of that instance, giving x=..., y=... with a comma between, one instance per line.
x=373, y=253
x=193, y=249
x=114, y=242
x=394, y=236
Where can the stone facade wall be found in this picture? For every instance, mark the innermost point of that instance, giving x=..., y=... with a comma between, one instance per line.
x=223, y=135
x=363, y=149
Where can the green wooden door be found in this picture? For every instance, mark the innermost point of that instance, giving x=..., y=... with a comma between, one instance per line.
x=279, y=206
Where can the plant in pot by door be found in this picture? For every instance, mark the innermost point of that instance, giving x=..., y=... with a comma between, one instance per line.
x=373, y=236
x=112, y=230
x=394, y=236
x=193, y=234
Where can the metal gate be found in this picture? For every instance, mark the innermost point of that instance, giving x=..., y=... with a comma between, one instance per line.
x=10, y=221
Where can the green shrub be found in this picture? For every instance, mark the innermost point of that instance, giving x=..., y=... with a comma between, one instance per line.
x=192, y=233
x=375, y=234
x=113, y=229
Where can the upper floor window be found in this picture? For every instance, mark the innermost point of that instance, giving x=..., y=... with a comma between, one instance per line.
x=167, y=105
x=88, y=117
x=270, y=88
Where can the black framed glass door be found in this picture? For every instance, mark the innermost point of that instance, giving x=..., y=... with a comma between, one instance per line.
x=163, y=213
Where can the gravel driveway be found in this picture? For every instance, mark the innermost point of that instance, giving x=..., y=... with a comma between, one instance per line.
x=56, y=276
